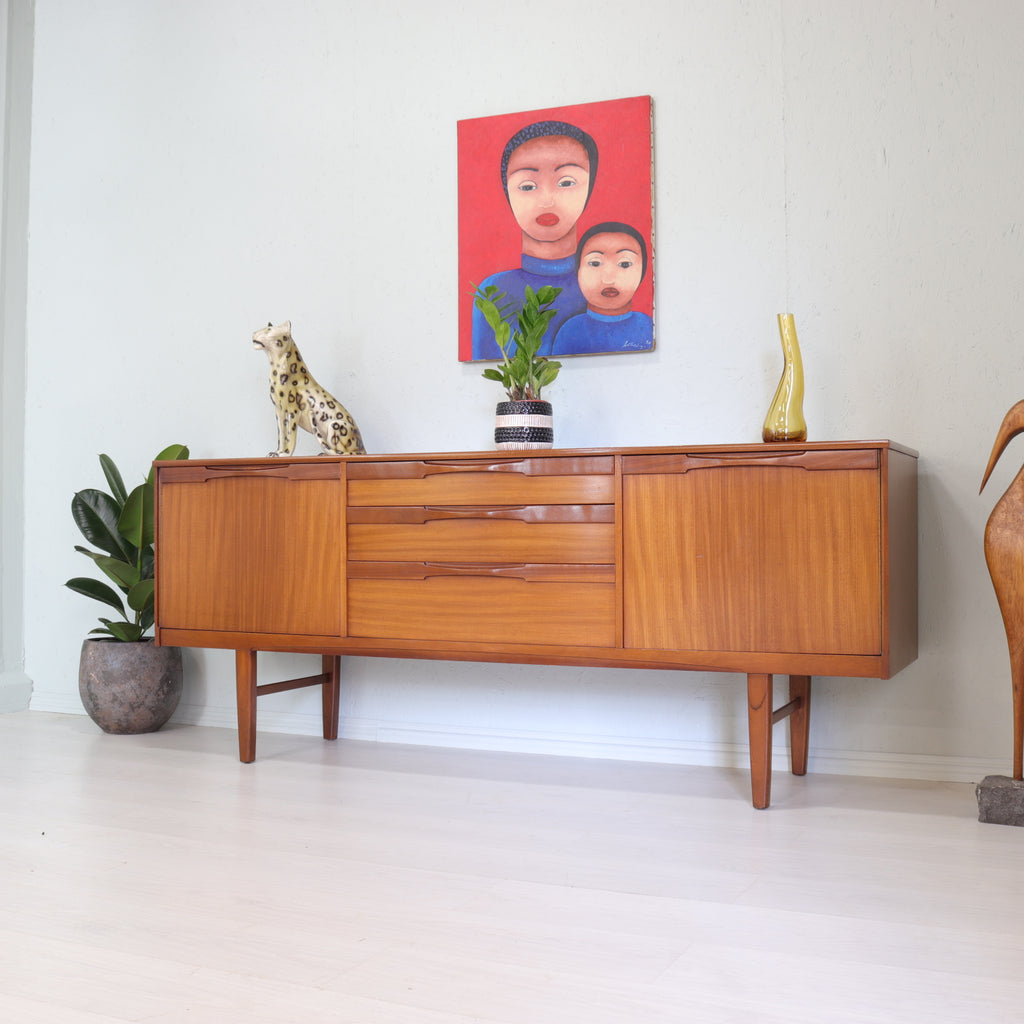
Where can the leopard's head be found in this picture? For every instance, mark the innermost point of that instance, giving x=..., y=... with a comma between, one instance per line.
x=271, y=338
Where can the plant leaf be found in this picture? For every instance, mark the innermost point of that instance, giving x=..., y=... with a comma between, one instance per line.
x=114, y=481
x=97, y=590
x=124, y=574
x=127, y=632
x=140, y=596
x=171, y=452
x=136, y=520
x=547, y=372
x=96, y=514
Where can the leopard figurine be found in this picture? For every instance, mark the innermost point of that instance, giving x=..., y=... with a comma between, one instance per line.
x=300, y=402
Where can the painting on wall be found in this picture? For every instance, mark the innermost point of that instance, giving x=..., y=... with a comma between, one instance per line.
x=560, y=197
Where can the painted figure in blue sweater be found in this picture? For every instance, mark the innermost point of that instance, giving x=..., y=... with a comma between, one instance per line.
x=611, y=261
x=547, y=171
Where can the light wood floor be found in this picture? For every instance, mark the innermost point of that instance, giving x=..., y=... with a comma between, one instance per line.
x=156, y=879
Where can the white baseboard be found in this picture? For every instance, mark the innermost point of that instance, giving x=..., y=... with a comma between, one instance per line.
x=923, y=767
x=58, y=704
x=15, y=691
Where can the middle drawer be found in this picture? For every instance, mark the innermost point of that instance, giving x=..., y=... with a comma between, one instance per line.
x=531, y=533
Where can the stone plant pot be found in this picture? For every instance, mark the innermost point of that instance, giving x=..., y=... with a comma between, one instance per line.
x=129, y=688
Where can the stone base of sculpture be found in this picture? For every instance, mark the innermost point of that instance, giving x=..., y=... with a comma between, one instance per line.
x=1001, y=800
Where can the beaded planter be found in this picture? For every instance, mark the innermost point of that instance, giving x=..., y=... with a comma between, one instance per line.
x=524, y=424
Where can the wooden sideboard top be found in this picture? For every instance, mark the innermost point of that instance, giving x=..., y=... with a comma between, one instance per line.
x=753, y=449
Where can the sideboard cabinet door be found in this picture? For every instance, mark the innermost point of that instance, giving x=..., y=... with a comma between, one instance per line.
x=778, y=554
x=251, y=550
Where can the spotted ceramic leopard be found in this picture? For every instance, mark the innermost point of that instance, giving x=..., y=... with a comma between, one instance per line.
x=300, y=402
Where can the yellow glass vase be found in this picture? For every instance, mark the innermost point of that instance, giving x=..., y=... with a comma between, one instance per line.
x=785, y=419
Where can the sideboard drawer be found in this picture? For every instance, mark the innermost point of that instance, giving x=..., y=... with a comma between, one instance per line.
x=534, y=466
x=463, y=608
x=541, y=481
x=483, y=539
x=484, y=489
x=483, y=550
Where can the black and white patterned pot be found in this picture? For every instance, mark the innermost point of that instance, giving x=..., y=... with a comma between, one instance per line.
x=523, y=424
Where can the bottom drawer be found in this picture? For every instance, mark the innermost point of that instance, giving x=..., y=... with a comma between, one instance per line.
x=483, y=610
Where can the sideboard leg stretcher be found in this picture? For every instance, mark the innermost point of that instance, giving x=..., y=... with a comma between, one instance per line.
x=761, y=718
x=248, y=690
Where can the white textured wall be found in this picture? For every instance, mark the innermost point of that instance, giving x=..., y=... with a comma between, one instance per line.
x=201, y=168
x=15, y=127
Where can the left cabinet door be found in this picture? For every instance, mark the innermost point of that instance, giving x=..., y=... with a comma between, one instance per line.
x=257, y=548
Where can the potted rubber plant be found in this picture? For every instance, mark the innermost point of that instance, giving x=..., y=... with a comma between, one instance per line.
x=127, y=683
x=525, y=419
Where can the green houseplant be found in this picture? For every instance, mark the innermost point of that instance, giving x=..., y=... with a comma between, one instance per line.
x=127, y=683
x=525, y=420
x=521, y=372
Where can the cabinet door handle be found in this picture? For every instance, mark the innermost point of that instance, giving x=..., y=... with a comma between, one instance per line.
x=843, y=459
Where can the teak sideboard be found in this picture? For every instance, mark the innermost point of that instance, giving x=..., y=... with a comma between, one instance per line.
x=795, y=559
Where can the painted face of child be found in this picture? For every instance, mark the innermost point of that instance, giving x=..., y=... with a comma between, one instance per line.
x=610, y=270
x=548, y=180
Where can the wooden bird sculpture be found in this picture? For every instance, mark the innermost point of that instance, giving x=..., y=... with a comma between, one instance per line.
x=1004, y=553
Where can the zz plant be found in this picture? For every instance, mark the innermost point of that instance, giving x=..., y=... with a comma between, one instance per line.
x=521, y=372
x=120, y=524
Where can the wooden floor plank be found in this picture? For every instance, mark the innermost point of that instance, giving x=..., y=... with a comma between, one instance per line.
x=156, y=878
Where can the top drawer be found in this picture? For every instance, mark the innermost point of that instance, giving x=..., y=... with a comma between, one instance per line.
x=536, y=481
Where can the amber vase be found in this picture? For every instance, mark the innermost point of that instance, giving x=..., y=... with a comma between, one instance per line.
x=785, y=419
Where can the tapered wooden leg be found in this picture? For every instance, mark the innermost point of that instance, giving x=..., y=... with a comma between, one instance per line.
x=759, y=718
x=331, y=695
x=799, y=722
x=245, y=695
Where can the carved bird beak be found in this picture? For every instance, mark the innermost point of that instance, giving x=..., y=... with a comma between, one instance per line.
x=1012, y=425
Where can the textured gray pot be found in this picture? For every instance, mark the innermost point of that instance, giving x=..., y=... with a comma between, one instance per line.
x=129, y=688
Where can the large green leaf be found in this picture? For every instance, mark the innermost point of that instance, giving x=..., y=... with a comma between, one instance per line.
x=127, y=632
x=136, y=521
x=140, y=596
x=97, y=590
x=547, y=372
x=172, y=452
x=114, y=481
x=96, y=514
x=123, y=573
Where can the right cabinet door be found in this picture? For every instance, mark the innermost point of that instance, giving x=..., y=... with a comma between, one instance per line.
x=778, y=553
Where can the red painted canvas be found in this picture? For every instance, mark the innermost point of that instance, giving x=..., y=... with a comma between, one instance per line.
x=560, y=196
